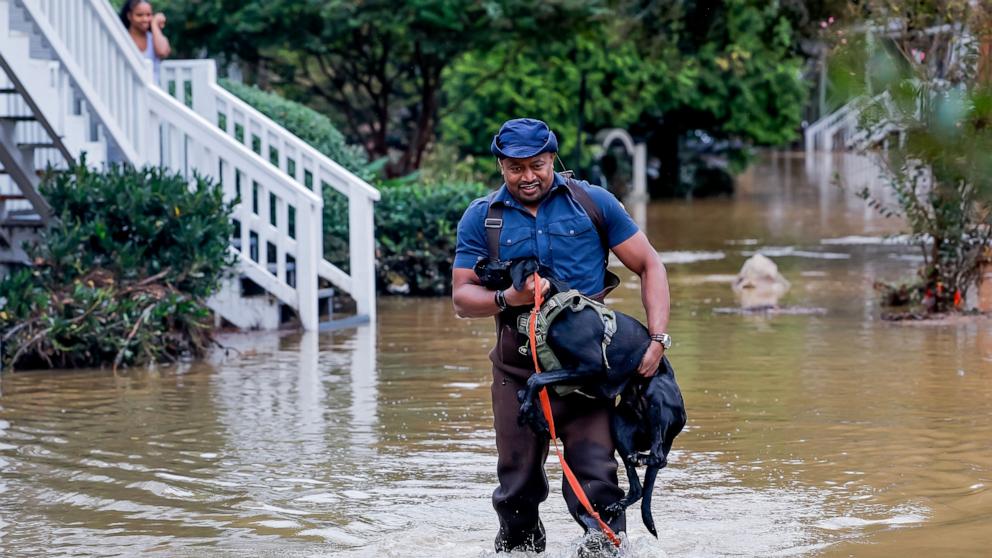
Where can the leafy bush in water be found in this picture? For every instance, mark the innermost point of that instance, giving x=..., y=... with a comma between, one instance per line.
x=415, y=227
x=121, y=275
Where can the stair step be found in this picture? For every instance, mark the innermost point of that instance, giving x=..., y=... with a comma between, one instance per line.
x=21, y=223
x=18, y=118
x=8, y=91
x=24, y=213
x=39, y=172
x=37, y=145
x=6, y=197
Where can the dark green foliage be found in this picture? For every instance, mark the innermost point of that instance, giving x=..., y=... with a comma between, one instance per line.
x=305, y=123
x=375, y=65
x=122, y=274
x=664, y=71
x=415, y=233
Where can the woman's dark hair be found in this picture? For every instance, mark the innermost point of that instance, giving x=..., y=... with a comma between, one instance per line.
x=129, y=7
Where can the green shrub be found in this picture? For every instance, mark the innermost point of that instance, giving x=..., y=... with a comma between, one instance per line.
x=122, y=274
x=415, y=229
x=307, y=124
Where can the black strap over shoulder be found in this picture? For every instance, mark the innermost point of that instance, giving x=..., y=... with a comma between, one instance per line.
x=494, y=217
x=583, y=198
x=494, y=224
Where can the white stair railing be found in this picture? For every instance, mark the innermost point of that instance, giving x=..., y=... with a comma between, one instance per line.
x=821, y=134
x=277, y=224
x=194, y=83
x=279, y=232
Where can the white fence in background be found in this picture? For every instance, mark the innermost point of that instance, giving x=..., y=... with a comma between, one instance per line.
x=843, y=124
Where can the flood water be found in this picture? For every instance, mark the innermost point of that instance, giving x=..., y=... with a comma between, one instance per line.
x=809, y=435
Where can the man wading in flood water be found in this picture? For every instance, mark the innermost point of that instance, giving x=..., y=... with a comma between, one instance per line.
x=539, y=214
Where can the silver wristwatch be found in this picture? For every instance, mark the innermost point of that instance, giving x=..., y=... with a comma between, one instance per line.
x=663, y=338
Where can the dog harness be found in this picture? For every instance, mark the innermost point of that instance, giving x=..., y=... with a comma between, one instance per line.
x=572, y=300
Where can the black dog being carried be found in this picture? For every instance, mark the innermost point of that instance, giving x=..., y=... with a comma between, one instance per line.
x=586, y=347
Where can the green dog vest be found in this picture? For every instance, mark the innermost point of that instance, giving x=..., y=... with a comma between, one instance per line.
x=574, y=301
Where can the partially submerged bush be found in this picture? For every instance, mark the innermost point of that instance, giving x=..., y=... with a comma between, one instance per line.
x=416, y=226
x=938, y=170
x=122, y=274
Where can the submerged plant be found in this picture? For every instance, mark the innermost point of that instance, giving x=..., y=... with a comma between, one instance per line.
x=931, y=108
x=122, y=274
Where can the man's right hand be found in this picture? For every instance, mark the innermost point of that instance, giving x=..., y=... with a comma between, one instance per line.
x=525, y=297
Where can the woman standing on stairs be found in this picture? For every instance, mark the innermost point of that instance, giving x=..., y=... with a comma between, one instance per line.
x=146, y=31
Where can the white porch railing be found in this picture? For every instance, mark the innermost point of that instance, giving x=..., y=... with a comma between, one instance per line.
x=279, y=220
x=194, y=83
x=821, y=135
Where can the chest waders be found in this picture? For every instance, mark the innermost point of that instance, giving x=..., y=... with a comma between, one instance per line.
x=583, y=424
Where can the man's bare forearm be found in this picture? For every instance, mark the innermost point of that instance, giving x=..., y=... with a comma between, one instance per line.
x=655, y=296
x=474, y=301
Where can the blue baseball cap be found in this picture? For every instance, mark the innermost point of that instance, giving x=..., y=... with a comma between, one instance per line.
x=522, y=138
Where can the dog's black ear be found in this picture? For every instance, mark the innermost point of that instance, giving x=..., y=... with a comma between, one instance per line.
x=518, y=273
x=521, y=269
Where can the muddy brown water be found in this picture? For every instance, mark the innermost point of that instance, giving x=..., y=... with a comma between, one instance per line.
x=830, y=434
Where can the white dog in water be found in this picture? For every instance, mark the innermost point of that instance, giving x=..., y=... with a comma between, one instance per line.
x=759, y=284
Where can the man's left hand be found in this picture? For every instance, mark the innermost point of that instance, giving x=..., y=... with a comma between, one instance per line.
x=652, y=359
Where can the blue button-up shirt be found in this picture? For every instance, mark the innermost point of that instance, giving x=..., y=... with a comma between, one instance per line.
x=561, y=236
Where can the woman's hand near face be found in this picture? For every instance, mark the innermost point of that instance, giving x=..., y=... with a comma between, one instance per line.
x=158, y=20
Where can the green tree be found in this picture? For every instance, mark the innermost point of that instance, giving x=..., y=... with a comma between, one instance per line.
x=738, y=74
x=375, y=65
x=663, y=70
x=584, y=83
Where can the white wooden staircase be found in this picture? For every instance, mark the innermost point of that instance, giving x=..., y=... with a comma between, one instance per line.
x=72, y=82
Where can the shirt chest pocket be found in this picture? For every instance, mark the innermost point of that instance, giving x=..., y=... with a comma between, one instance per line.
x=574, y=240
x=516, y=242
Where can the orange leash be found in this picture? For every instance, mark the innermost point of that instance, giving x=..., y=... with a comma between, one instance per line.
x=546, y=407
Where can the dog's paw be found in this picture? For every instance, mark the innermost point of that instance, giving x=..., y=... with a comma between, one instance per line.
x=651, y=460
x=541, y=427
x=525, y=416
x=615, y=509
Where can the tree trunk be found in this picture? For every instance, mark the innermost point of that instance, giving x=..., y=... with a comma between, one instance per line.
x=985, y=60
x=664, y=143
x=983, y=22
